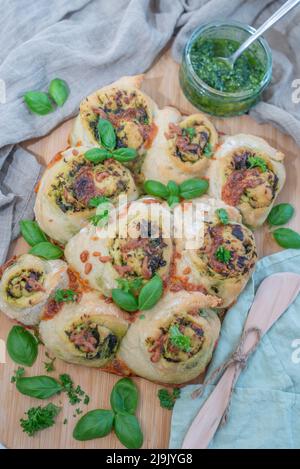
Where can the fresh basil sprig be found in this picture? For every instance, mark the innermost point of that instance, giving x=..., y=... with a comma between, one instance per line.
x=108, y=140
x=107, y=135
x=148, y=296
x=36, y=238
x=98, y=423
x=124, y=396
x=40, y=387
x=31, y=232
x=59, y=91
x=287, y=238
x=125, y=300
x=94, y=424
x=42, y=103
x=280, y=214
x=46, y=250
x=94, y=202
x=150, y=293
x=22, y=346
x=128, y=430
x=38, y=102
x=173, y=192
x=193, y=188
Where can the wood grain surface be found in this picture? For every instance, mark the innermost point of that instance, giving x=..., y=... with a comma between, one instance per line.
x=161, y=82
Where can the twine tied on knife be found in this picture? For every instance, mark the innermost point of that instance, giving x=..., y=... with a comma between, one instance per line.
x=239, y=360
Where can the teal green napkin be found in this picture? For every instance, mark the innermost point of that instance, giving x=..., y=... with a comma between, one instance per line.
x=265, y=406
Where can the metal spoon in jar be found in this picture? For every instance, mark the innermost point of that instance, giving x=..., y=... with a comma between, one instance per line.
x=283, y=10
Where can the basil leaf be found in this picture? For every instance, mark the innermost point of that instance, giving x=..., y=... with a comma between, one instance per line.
x=222, y=215
x=40, y=387
x=106, y=134
x=280, y=214
x=173, y=200
x=128, y=430
x=124, y=300
x=156, y=188
x=150, y=293
x=59, y=91
x=38, y=102
x=173, y=188
x=22, y=346
x=94, y=202
x=124, y=396
x=31, y=232
x=97, y=155
x=193, y=188
x=94, y=424
x=46, y=250
x=124, y=154
x=287, y=238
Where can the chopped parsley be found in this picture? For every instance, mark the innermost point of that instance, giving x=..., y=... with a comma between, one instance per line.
x=190, y=131
x=167, y=399
x=74, y=394
x=65, y=296
x=222, y=215
x=223, y=255
x=18, y=374
x=257, y=162
x=133, y=286
x=94, y=202
x=207, y=151
x=65, y=421
x=49, y=366
x=39, y=418
x=178, y=339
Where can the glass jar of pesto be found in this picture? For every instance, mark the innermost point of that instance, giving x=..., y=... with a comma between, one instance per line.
x=213, y=87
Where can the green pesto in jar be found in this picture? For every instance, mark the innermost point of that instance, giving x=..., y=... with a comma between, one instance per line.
x=246, y=74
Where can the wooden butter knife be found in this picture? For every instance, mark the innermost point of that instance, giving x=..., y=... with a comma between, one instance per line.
x=274, y=295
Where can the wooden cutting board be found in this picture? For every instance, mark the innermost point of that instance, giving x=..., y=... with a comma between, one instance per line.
x=161, y=83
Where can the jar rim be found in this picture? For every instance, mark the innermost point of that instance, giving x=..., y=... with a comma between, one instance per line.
x=245, y=27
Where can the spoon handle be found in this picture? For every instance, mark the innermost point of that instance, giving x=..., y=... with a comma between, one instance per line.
x=283, y=10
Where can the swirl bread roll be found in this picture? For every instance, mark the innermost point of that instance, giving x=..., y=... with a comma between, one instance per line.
x=87, y=332
x=247, y=173
x=222, y=260
x=175, y=341
x=130, y=111
x=26, y=284
x=135, y=244
x=68, y=184
x=182, y=148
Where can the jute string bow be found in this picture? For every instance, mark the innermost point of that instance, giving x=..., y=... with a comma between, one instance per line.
x=239, y=360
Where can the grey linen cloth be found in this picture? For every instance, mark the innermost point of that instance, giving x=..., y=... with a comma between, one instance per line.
x=90, y=43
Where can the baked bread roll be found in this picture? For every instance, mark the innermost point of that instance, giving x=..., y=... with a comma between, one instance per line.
x=175, y=340
x=247, y=173
x=26, y=284
x=182, y=148
x=221, y=260
x=68, y=184
x=135, y=244
x=87, y=332
x=130, y=111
